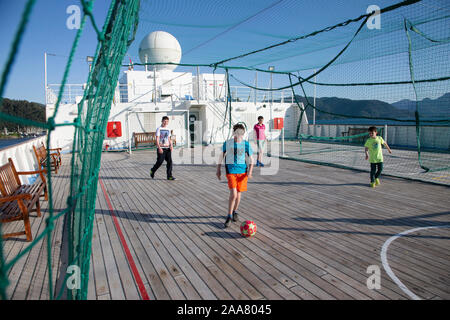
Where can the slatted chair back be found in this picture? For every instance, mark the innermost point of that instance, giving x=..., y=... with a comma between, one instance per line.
x=41, y=157
x=9, y=179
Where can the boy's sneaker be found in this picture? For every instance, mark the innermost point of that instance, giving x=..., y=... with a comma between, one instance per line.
x=257, y=163
x=235, y=216
x=152, y=174
x=372, y=184
x=227, y=222
x=377, y=181
x=171, y=178
x=261, y=164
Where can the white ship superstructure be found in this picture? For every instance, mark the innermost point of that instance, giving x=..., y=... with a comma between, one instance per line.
x=196, y=103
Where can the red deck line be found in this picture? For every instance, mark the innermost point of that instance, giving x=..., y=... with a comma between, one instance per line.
x=137, y=277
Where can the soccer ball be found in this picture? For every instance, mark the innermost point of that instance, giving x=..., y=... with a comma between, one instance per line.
x=248, y=228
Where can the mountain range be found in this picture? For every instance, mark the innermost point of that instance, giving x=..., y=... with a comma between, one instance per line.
x=432, y=109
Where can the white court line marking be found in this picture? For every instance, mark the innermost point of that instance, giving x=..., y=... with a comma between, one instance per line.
x=386, y=264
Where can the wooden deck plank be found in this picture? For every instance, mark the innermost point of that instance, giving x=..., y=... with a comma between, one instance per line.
x=34, y=267
x=143, y=263
x=173, y=251
x=232, y=252
x=250, y=290
x=166, y=232
x=318, y=231
x=161, y=271
x=111, y=269
x=181, y=197
x=326, y=244
x=298, y=267
x=59, y=203
x=98, y=264
x=317, y=219
x=203, y=201
x=250, y=251
x=127, y=281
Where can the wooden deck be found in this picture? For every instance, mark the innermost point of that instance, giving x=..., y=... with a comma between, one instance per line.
x=319, y=229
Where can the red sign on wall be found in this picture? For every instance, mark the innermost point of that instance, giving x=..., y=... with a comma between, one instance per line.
x=114, y=129
x=278, y=123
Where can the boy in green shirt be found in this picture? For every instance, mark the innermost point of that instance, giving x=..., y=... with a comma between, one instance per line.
x=374, y=153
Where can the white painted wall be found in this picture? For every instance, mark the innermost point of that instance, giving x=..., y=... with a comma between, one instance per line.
x=23, y=157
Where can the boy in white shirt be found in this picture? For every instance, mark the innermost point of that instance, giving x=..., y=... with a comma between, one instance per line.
x=165, y=147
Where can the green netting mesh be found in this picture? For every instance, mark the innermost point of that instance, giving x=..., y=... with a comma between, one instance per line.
x=357, y=74
x=93, y=112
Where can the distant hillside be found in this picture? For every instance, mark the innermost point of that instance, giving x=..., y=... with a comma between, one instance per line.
x=430, y=109
x=354, y=108
x=21, y=108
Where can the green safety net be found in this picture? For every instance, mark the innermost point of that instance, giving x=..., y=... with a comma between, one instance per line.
x=340, y=79
x=396, y=74
x=93, y=111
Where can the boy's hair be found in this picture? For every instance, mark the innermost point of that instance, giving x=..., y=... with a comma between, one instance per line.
x=260, y=117
x=372, y=129
x=164, y=118
x=239, y=128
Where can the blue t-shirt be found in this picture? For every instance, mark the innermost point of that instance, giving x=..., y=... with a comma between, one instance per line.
x=235, y=156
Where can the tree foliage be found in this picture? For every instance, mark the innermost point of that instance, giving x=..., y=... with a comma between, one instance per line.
x=21, y=108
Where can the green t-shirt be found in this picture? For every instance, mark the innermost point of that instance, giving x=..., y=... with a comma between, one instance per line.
x=375, y=149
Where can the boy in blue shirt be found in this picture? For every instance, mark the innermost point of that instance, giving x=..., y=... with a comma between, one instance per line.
x=234, y=151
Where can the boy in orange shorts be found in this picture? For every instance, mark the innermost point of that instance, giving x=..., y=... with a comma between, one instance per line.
x=234, y=151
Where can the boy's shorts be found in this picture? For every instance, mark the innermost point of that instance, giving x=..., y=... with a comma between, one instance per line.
x=261, y=145
x=238, y=181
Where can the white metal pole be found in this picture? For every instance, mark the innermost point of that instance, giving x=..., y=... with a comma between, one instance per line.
x=271, y=100
x=314, y=110
x=256, y=86
x=154, y=83
x=188, y=130
x=45, y=77
x=198, y=86
x=271, y=97
x=129, y=133
x=385, y=133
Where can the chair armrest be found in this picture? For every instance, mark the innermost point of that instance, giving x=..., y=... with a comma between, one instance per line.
x=22, y=196
x=32, y=172
x=41, y=173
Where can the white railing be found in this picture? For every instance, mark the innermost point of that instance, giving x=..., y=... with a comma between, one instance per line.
x=71, y=91
x=144, y=93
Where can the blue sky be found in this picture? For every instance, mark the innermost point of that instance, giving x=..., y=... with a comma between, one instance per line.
x=47, y=32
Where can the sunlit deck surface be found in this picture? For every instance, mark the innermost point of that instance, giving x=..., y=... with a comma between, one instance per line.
x=319, y=229
x=401, y=163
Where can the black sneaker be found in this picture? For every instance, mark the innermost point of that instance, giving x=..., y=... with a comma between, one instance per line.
x=235, y=216
x=227, y=222
x=152, y=174
x=171, y=178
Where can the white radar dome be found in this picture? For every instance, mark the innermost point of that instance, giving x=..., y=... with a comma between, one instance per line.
x=160, y=46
